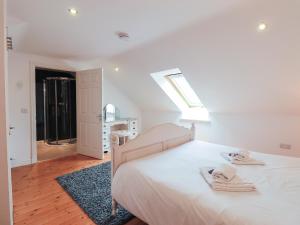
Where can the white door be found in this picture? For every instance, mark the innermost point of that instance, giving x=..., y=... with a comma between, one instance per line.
x=89, y=113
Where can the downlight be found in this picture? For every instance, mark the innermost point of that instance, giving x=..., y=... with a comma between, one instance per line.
x=73, y=11
x=262, y=27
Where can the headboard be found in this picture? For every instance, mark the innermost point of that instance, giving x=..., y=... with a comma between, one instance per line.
x=156, y=139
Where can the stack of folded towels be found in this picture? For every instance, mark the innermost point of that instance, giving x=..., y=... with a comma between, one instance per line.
x=224, y=178
x=241, y=157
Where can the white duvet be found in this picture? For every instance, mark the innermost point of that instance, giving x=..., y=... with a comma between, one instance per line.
x=168, y=189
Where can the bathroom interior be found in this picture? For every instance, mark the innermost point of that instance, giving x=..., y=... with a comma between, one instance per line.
x=55, y=113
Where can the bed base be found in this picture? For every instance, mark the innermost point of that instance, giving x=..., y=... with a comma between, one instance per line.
x=157, y=139
x=114, y=207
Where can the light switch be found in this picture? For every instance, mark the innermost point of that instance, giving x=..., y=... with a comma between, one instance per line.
x=19, y=84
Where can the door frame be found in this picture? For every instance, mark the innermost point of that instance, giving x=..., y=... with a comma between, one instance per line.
x=33, y=66
x=6, y=202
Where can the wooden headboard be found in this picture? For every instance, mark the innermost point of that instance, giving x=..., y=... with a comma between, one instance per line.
x=156, y=139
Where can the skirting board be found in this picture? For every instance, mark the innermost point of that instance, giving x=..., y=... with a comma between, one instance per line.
x=18, y=163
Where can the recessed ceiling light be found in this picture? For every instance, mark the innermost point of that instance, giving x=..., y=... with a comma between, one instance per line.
x=117, y=69
x=262, y=27
x=73, y=11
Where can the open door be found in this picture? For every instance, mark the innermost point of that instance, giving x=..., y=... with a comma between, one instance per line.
x=89, y=113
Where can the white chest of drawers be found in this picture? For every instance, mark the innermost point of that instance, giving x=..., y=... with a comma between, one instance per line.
x=130, y=125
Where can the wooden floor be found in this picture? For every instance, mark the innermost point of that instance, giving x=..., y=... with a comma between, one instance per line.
x=46, y=152
x=40, y=200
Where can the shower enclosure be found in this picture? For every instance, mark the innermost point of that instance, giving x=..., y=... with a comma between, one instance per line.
x=59, y=95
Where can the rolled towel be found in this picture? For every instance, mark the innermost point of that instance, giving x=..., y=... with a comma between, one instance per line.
x=224, y=173
x=241, y=155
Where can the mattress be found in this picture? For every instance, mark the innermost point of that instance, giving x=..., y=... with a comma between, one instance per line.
x=168, y=189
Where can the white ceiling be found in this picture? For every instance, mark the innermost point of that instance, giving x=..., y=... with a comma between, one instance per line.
x=45, y=27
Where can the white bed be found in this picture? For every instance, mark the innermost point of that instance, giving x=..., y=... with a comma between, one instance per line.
x=166, y=188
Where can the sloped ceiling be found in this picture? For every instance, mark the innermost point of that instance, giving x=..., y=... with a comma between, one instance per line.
x=231, y=66
x=45, y=27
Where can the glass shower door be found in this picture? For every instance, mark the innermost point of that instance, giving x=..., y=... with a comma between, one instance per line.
x=59, y=111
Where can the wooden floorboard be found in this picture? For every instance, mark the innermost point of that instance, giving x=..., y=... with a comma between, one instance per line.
x=40, y=200
x=47, y=152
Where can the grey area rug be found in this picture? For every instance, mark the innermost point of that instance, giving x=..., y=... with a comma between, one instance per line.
x=91, y=189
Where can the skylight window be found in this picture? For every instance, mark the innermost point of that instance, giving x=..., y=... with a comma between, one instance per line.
x=175, y=85
x=184, y=90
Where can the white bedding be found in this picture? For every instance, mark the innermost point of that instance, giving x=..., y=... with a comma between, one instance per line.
x=167, y=189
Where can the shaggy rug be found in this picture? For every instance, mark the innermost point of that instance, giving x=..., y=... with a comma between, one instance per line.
x=91, y=190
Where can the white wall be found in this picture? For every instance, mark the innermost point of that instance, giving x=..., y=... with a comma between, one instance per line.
x=257, y=132
x=152, y=118
x=19, y=99
x=113, y=95
x=5, y=174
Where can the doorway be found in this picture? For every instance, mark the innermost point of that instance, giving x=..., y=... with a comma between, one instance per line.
x=55, y=113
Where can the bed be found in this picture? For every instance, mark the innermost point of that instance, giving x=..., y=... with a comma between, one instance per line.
x=157, y=178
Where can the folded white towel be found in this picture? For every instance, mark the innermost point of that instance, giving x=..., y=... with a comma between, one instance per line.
x=234, y=189
x=235, y=185
x=233, y=160
x=249, y=162
x=224, y=173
